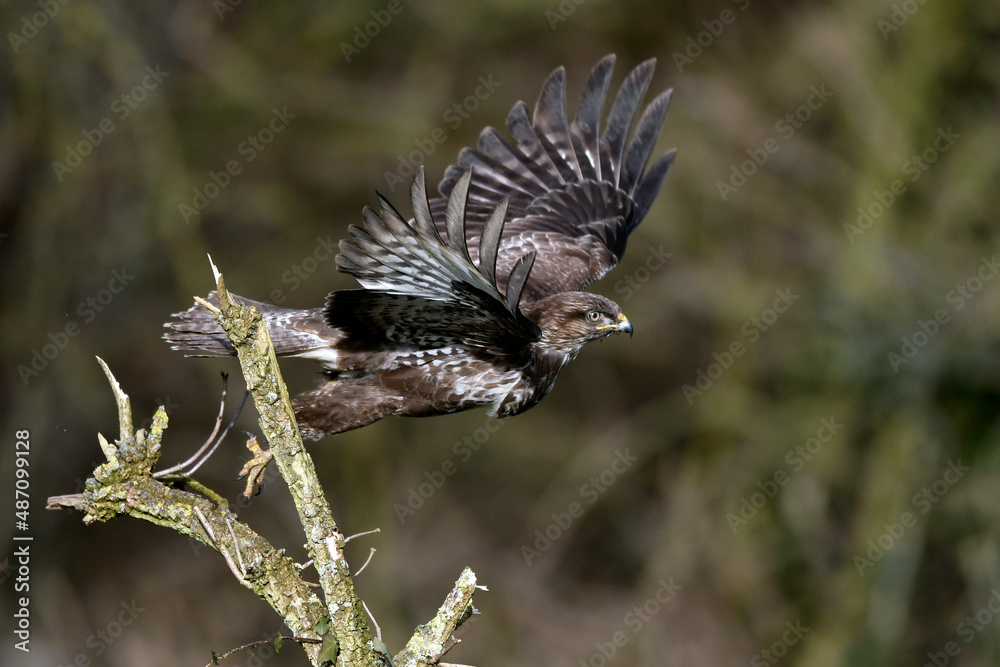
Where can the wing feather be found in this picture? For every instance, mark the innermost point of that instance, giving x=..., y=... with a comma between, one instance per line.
x=489, y=244
x=623, y=112
x=574, y=194
x=455, y=215
x=651, y=184
x=422, y=217
x=518, y=278
x=424, y=292
x=586, y=125
x=644, y=141
x=551, y=124
x=536, y=159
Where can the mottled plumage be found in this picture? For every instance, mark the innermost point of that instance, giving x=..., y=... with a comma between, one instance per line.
x=475, y=301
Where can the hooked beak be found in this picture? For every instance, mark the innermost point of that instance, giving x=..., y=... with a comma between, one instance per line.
x=624, y=325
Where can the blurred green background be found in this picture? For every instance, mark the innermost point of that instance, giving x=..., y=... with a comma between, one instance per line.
x=805, y=423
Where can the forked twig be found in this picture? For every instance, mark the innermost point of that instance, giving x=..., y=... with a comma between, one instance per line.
x=190, y=466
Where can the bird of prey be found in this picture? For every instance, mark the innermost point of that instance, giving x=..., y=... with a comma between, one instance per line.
x=433, y=330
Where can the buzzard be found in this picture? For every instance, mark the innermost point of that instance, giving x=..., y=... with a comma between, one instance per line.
x=434, y=331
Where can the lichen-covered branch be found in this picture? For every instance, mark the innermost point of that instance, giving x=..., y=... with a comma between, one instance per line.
x=245, y=328
x=124, y=485
x=431, y=641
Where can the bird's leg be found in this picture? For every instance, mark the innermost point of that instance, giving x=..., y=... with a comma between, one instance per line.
x=342, y=405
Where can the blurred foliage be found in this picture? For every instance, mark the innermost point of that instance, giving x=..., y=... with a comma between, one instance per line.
x=840, y=556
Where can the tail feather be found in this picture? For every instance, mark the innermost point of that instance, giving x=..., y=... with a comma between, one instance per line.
x=196, y=330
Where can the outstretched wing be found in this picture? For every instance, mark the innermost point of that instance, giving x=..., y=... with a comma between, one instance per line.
x=421, y=292
x=574, y=195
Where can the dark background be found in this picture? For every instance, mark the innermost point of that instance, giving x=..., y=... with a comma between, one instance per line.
x=842, y=546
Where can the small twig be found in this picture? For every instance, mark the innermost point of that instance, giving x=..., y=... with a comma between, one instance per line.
x=205, y=524
x=211, y=438
x=197, y=459
x=71, y=500
x=233, y=567
x=124, y=410
x=378, y=630
x=259, y=642
x=236, y=546
x=362, y=569
x=367, y=532
x=212, y=308
x=237, y=571
x=451, y=643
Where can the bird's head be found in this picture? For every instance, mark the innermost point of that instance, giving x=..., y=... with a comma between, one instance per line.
x=572, y=319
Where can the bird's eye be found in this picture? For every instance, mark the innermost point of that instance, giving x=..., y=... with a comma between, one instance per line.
x=594, y=316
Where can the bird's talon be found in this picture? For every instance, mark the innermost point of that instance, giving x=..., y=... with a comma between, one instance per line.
x=253, y=470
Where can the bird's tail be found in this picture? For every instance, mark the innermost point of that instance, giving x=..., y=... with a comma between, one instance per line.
x=292, y=331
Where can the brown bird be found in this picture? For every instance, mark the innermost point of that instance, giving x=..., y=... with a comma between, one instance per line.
x=432, y=331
